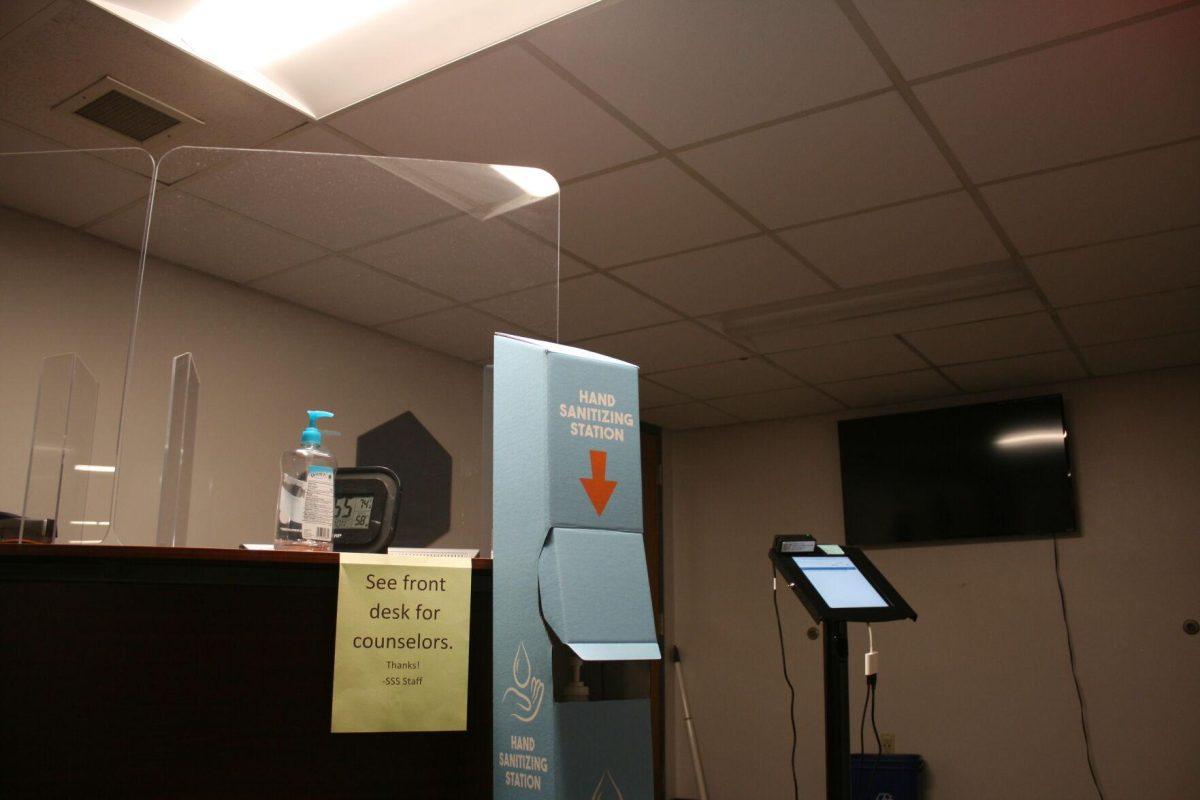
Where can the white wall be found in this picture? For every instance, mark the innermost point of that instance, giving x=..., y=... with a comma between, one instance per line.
x=980, y=685
x=261, y=362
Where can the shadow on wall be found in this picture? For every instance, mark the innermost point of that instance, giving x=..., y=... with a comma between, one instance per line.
x=425, y=469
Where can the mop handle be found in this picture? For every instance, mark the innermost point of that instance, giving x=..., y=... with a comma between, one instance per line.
x=687, y=719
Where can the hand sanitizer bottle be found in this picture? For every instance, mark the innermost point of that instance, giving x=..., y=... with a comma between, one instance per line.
x=305, y=516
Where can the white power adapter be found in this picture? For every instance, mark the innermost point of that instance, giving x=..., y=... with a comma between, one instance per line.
x=871, y=658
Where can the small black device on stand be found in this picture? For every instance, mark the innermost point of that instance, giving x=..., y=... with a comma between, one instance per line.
x=837, y=584
x=366, y=509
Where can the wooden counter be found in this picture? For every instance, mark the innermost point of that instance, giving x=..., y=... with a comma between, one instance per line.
x=192, y=672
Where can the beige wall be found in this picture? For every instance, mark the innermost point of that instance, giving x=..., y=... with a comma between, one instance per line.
x=60, y=292
x=261, y=362
x=980, y=685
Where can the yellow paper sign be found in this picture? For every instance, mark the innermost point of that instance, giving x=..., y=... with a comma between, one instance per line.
x=403, y=637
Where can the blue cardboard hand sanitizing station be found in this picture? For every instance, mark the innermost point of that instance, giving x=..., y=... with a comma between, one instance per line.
x=570, y=572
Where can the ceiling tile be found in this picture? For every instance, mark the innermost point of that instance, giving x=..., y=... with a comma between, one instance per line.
x=14, y=139
x=534, y=309
x=719, y=62
x=351, y=291
x=888, y=389
x=335, y=201
x=796, y=402
x=189, y=231
x=641, y=212
x=71, y=188
x=315, y=137
x=502, y=107
x=1006, y=373
x=927, y=36
x=1133, y=87
x=651, y=394
x=15, y=12
x=724, y=277
x=1134, y=317
x=959, y=311
x=1154, y=263
x=177, y=166
x=465, y=258
x=901, y=241
x=670, y=346
x=846, y=360
x=84, y=43
x=462, y=332
x=687, y=415
x=847, y=159
x=728, y=377
x=993, y=338
x=1127, y=196
x=589, y=306
x=1143, y=354
x=594, y=305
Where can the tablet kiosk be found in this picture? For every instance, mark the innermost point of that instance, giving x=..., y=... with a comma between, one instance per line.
x=837, y=584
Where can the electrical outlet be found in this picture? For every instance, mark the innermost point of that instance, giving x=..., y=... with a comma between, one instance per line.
x=888, y=740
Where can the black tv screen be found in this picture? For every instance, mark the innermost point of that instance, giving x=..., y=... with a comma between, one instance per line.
x=985, y=470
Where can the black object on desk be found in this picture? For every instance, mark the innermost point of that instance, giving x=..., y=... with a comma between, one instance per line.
x=366, y=509
x=15, y=528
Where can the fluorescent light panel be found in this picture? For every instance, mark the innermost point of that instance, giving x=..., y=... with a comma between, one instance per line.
x=898, y=295
x=320, y=56
x=94, y=468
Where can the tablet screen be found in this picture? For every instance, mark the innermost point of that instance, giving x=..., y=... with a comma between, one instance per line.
x=839, y=582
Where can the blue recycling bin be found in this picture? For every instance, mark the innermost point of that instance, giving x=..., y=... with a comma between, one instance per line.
x=897, y=777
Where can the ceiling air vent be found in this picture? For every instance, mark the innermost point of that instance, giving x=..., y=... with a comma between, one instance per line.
x=127, y=116
x=125, y=111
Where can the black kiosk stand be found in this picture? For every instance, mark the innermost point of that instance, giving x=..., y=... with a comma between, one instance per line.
x=837, y=584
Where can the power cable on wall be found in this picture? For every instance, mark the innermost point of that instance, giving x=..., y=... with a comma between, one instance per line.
x=1087, y=740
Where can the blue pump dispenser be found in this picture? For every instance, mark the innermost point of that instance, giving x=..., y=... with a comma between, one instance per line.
x=312, y=434
x=306, y=492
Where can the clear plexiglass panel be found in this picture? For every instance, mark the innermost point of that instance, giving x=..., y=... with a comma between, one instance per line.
x=64, y=423
x=363, y=285
x=175, y=492
x=70, y=237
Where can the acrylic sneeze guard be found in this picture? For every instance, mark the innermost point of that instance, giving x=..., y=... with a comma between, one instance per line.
x=60, y=455
x=67, y=304
x=368, y=286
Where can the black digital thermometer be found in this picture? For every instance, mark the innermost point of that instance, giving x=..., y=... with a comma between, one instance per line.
x=366, y=509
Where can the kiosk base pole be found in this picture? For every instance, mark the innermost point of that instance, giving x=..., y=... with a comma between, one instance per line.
x=837, y=711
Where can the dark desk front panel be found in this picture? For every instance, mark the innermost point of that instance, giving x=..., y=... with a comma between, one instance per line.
x=139, y=672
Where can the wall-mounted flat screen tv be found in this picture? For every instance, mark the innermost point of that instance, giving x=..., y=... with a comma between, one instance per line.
x=979, y=471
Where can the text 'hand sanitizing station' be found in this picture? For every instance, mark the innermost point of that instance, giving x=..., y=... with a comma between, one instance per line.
x=570, y=573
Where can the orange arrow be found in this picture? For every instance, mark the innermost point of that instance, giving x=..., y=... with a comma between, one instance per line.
x=598, y=490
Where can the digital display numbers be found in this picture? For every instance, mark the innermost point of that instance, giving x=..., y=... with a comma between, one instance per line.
x=353, y=513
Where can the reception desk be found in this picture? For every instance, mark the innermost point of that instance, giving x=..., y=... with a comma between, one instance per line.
x=179, y=672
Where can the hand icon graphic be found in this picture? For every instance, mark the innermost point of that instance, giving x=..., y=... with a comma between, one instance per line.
x=529, y=691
